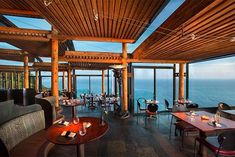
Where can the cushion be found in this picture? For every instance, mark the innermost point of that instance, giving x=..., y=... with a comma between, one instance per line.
x=8, y=110
x=18, y=129
x=33, y=146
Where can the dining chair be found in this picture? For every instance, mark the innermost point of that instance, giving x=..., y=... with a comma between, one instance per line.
x=151, y=112
x=223, y=106
x=223, y=144
x=168, y=109
x=184, y=128
x=141, y=107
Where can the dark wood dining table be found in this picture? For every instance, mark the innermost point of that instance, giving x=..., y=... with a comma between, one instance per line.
x=203, y=125
x=73, y=103
x=94, y=132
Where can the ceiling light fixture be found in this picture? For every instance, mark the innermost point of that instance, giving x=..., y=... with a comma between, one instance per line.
x=96, y=16
x=47, y=2
x=193, y=36
x=232, y=39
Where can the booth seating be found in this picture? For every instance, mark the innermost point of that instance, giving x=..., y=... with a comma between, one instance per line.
x=52, y=113
x=4, y=95
x=21, y=97
x=22, y=131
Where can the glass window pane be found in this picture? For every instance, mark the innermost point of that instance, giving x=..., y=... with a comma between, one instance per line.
x=46, y=83
x=164, y=87
x=82, y=85
x=143, y=85
x=212, y=82
x=96, y=84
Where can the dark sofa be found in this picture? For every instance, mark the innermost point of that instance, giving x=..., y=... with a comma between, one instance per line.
x=22, y=131
x=48, y=105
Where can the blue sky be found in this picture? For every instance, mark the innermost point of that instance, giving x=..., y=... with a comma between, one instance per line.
x=214, y=69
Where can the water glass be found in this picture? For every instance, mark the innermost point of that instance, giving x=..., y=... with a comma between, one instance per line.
x=82, y=130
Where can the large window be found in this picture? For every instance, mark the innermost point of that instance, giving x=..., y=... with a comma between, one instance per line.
x=82, y=84
x=96, y=84
x=143, y=85
x=212, y=82
x=164, y=86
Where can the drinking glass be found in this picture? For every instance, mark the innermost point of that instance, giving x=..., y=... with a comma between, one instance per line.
x=82, y=130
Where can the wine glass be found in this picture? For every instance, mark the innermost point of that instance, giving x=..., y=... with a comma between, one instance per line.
x=82, y=130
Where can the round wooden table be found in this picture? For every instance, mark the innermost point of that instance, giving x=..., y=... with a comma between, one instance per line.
x=95, y=131
x=72, y=103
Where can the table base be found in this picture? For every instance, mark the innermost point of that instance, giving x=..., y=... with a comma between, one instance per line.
x=80, y=150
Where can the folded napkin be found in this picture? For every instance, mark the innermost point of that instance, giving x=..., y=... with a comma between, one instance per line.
x=215, y=124
x=68, y=134
x=63, y=123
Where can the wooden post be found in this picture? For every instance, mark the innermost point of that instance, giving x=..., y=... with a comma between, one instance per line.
x=36, y=81
x=6, y=80
x=69, y=79
x=74, y=81
x=124, y=76
x=18, y=80
x=181, y=81
x=103, y=82
x=26, y=71
x=11, y=79
x=54, y=70
x=63, y=81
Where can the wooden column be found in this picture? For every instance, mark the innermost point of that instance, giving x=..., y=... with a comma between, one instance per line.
x=54, y=70
x=36, y=81
x=63, y=81
x=26, y=71
x=124, y=76
x=74, y=81
x=18, y=80
x=6, y=80
x=181, y=81
x=69, y=79
x=103, y=81
x=12, y=80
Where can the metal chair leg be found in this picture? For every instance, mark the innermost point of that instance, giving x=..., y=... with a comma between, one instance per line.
x=170, y=127
x=195, y=145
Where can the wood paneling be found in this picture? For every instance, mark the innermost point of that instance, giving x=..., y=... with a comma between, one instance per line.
x=200, y=31
x=117, y=19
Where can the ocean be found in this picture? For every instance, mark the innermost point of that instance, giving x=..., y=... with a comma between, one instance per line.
x=205, y=92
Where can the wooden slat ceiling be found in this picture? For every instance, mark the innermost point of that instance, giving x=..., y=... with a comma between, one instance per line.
x=119, y=19
x=205, y=33
x=15, y=4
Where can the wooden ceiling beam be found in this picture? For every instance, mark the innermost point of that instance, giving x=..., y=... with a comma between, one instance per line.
x=11, y=51
x=43, y=35
x=14, y=55
x=91, y=57
x=11, y=68
x=129, y=60
x=23, y=34
x=98, y=39
x=17, y=12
